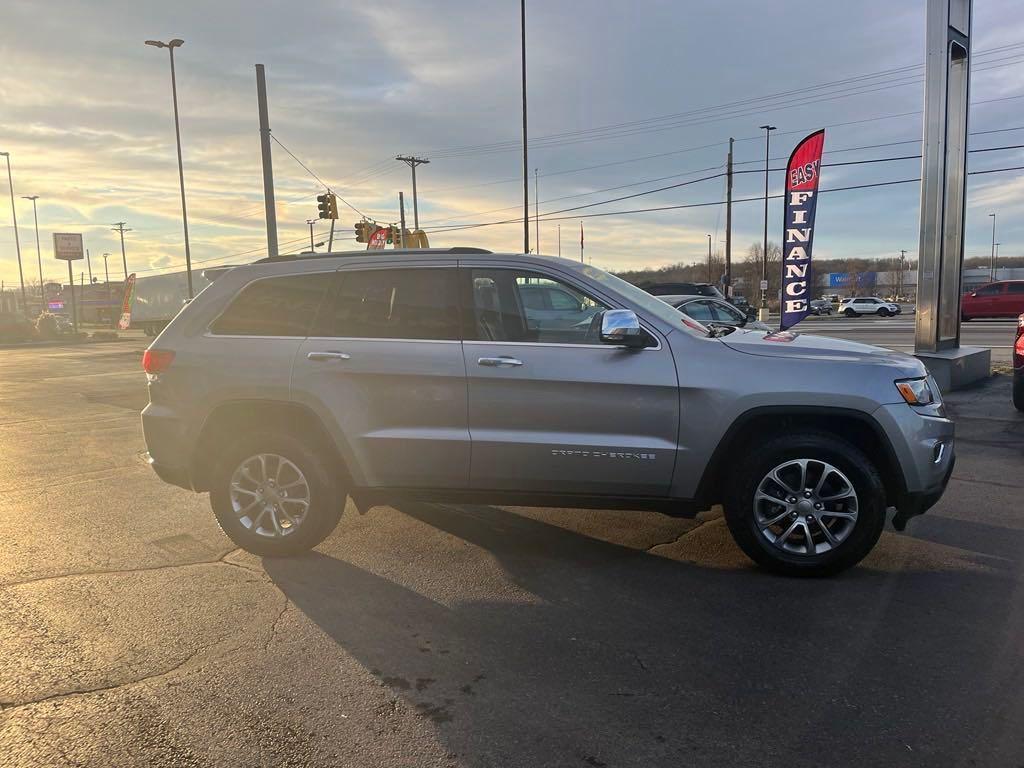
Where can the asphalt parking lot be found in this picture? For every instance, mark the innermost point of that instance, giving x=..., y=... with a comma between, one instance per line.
x=133, y=634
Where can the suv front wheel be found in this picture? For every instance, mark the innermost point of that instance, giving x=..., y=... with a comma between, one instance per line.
x=274, y=496
x=809, y=504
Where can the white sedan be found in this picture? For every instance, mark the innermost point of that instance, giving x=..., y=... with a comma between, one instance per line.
x=868, y=305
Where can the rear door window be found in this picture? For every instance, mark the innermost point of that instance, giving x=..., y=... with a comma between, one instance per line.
x=415, y=303
x=274, y=306
x=1015, y=287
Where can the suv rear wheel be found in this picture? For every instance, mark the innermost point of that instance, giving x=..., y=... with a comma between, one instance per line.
x=850, y=312
x=809, y=504
x=274, y=496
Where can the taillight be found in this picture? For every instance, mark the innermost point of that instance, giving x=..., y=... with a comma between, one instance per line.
x=156, y=361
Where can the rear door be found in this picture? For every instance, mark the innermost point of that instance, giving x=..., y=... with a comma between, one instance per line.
x=384, y=365
x=551, y=408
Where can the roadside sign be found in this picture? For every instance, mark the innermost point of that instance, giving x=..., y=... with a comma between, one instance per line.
x=378, y=239
x=764, y=285
x=126, y=304
x=67, y=246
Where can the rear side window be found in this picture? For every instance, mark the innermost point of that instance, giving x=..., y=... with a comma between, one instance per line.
x=420, y=303
x=1015, y=287
x=989, y=290
x=275, y=306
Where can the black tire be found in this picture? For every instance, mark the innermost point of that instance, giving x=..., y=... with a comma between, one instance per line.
x=965, y=318
x=883, y=312
x=1018, y=391
x=849, y=312
x=327, y=495
x=758, y=461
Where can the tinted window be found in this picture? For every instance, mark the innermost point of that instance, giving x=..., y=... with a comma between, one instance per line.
x=699, y=310
x=277, y=306
x=504, y=309
x=1015, y=287
x=394, y=304
x=989, y=290
x=726, y=314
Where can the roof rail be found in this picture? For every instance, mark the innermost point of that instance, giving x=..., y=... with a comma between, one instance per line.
x=334, y=254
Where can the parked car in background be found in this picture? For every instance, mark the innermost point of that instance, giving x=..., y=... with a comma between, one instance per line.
x=868, y=305
x=714, y=312
x=550, y=304
x=1002, y=299
x=1018, y=366
x=683, y=289
x=419, y=373
x=821, y=307
x=740, y=302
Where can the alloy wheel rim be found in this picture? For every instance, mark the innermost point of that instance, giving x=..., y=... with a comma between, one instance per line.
x=269, y=495
x=805, y=507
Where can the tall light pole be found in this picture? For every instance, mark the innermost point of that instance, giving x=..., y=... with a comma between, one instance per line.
x=526, y=163
x=412, y=161
x=17, y=242
x=903, y=260
x=106, y=273
x=170, y=46
x=536, y=211
x=763, y=314
x=992, y=264
x=39, y=256
x=311, y=222
x=709, y=259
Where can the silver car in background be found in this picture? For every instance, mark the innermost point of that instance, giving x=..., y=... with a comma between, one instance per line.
x=292, y=383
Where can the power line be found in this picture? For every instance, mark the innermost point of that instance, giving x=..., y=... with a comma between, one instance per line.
x=322, y=183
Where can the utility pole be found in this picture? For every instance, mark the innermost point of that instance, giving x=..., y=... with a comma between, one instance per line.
x=536, y=212
x=401, y=216
x=526, y=163
x=88, y=263
x=728, y=222
x=119, y=228
x=170, y=46
x=17, y=242
x=992, y=264
x=311, y=222
x=763, y=314
x=709, y=259
x=39, y=256
x=268, y=164
x=412, y=162
x=903, y=259
x=559, y=241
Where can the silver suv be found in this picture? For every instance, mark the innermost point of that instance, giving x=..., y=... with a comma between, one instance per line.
x=289, y=384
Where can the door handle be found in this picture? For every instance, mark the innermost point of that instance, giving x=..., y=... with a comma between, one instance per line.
x=328, y=355
x=499, y=362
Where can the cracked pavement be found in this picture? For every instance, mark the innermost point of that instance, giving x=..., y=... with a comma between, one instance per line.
x=132, y=633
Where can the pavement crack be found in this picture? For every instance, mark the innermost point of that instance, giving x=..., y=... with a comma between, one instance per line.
x=219, y=560
x=274, y=623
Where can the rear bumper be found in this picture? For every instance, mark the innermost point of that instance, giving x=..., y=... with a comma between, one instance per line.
x=178, y=476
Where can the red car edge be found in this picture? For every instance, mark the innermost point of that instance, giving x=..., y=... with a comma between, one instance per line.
x=1018, y=366
x=1004, y=298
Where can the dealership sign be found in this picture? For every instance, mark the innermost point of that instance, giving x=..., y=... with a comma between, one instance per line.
x=802, y=173
x=67, y=246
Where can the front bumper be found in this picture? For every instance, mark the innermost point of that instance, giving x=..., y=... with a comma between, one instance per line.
x=914, y=503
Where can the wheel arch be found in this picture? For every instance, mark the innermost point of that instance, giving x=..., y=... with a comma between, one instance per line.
x=856, y=427
x=232, y=418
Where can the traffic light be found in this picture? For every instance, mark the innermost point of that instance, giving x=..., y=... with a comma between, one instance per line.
x=363, y=231
x=327, y=205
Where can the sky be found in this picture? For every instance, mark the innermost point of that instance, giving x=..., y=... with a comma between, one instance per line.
x=85, y=111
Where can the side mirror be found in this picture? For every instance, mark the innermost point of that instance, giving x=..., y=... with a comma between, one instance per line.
x=974, y=293
x=621, y=326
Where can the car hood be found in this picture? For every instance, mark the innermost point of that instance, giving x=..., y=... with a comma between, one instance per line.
x=810, y=347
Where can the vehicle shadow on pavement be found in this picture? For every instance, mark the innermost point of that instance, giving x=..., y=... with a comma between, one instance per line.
x=603, y=655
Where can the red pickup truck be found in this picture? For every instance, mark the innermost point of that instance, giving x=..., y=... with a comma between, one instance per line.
x=1002, y=299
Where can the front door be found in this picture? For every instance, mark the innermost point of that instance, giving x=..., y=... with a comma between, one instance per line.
x=384, y=365
x=551, y=408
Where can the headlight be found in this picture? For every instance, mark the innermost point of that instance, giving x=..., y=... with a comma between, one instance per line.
x=916, y=391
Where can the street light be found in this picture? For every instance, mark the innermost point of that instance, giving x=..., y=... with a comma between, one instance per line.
x=763, y=314
x=709, y=259
x=17, y=242
x=106, y=273
x=992, y=266
x=39, y=257
x=170, y=46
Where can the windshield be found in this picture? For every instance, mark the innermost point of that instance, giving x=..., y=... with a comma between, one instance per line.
x=646, y=301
